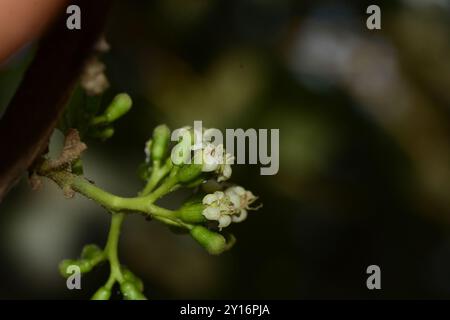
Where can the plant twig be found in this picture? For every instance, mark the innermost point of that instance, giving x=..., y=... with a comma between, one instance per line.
x=29, y=120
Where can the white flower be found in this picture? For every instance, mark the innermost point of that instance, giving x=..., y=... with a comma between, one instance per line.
x=202, y=138
x=241, y=200
x=224, y=221
x=219, y=208
x=224, y=171
x=209, y=134
x=229, y=206
x=211, y=156
x=214, y=159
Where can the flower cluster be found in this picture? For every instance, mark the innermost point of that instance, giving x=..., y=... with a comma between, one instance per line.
x=196, y=156
x=228, y=206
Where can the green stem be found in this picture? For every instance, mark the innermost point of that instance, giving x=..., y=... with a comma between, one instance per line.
x=167, y=186
x=115, y=203
x=157, y=174
x=153, y=180
x=99, y=120
x=111, y=249
x=118, y=206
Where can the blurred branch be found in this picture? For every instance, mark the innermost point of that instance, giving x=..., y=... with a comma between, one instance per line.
x=34, y=111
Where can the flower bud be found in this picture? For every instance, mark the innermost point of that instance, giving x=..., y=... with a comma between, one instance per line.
x=213, y=242
x=64, y=265
x=192, y=213
x=120, y=105
x=91, y=251
x=161, y=137
x=84, y=265
x=189, y=172
x=130, y=291
x=102, y=293
x=131, y=277
x=181, y=152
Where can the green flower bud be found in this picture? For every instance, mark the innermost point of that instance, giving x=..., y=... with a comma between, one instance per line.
x=161, y=138
x=131, y=277
x=181, y=152
x=91, y=251
x=191, y=212
x=189, y=172
x=213, y=242
x=120, y=105
x=130, y=291
x=102, y=293
x=84, y=265
x=64, y=265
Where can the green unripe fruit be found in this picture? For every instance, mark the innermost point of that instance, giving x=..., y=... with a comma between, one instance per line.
x=120, y=105
x=130, y=291
x=160, y=144
x=131, y=277
x=213, y=242
x=91, y=251
x=192, y=213
x=189, y=172
x=102, y=293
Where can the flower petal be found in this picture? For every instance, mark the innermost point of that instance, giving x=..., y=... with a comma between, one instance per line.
x=224, y=221
x=241, y=217
x=209, y=198
x=211, y=213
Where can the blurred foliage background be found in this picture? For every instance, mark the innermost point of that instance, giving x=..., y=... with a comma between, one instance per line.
x=364, y=151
